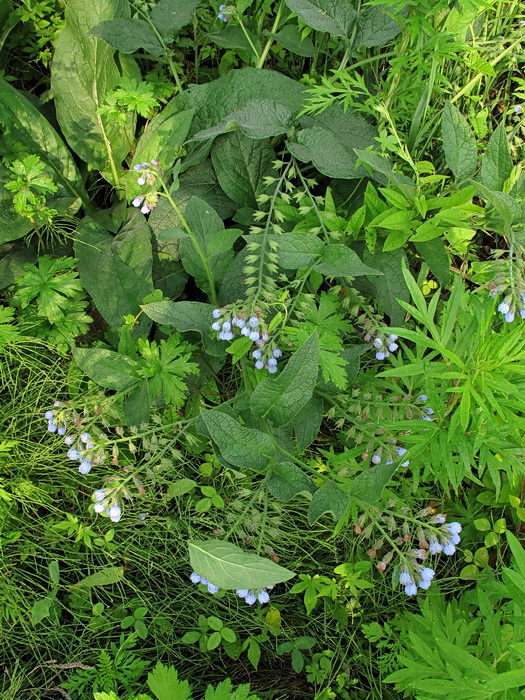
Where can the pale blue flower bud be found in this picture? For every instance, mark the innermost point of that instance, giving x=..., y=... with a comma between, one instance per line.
x=85, y=467
x=454, y=528
x=427, y=418
x=226, y=326
x=72, y=454
x=61, y=430
x=254, y=321
x=380, y=355
x=90, y=445
x=115, y=513
x=222, y=17
x=376, y=459
x=389, y=461
x=422, y=397
x=138, y=200
x=204, y=581
x=272, y=369
x=256, y=354
x=259, y=364
x=85, y=437
x=424, y=584
x=429, y=411
x=455, y=539
x=52, y=426
x=69, y=440
x=242, y=592
x=141, y=180
x=377, y=343
x=435, y=547
x=137, y=166
x=263, y=596
x=426, y=573
x=195, y=578
x=393, y=347
x=144, y=209
x=212, y=588
x=142, y=516
x=250, y=598
x=404, y=577
x=216, y=313
x=254, y=335
x=449, y=549
x=393, y=337
x=99, y=494
x=99, y=507
x=277, y=353
x=49, y=415
x=272, y=362
x=411, y=589
x=401, y=451
x=504, y=307
x=509, y=317
x=216, y=326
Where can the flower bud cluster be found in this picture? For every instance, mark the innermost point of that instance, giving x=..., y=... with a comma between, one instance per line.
x=253, y=327
x=433, y=535
x=106, y=502
x=148, y=176
x=82, y=448
x=384, y=344
x=248, y=595
x=223, y=9
x=509, y=310
x=428, y=411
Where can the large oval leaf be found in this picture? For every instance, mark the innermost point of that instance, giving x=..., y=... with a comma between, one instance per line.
x=229, y=567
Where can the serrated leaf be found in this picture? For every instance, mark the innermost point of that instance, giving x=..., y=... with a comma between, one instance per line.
x=286, y=480
x=280, y=398
x=164, y=683
x=245, y=448
x=459, y=143
x=229, y=567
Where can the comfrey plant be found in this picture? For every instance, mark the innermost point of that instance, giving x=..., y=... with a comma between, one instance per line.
x=148, y=176
x=399, y=529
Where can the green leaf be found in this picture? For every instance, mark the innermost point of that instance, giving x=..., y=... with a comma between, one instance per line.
x=341, y=261
x=286, y=480
x=41, y=609
x=329, y=140
x=290, y=37
x=107, y=368
x=116, y=270
x=297, y=249
x=506, y=681
x=29, y=128
x=257, y=119
x=54, y=572
x=127, y=35
x=164, y=683
x=437, y=258
x=83, y=72
x=240, y=163
x=335, y=17
x=187, y=316
x=105, y=577
x=229, y=567
x=517, y=551
x=170, y=16
x=201, y=181
x=328, y=499
x=496, y=164
x=239, y=348
x=245, y=448
x=368, y=486
x=378, y=26
x=281, y=398
x=391, y=285
x=136, y=405
x=459, y=143
x=307, y=423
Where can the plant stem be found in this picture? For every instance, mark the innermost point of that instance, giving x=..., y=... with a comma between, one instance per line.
x=270, y=41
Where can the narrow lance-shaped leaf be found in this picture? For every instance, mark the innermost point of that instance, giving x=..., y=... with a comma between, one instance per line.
x=229, y=567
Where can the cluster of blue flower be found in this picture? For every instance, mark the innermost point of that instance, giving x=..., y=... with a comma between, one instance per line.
x=221, y=14
x=264, y=355
x=104, y=502
x=147, y=202
x=429, y=412
x=509, y=314
x=444, y=539
x=80, y=447
x=246, y=594
x=383, y=344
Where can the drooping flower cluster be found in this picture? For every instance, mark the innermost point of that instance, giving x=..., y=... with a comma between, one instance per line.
x=384, y=344
x=81, y=447
x=444, y=539
x=508, y=311
x=221, y=15
x=428, y=411
x=148, y=176
x=246, y=594
x=106, y=502
x=250, y=326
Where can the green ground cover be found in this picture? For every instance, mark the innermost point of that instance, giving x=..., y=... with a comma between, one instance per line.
x=262, y=350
